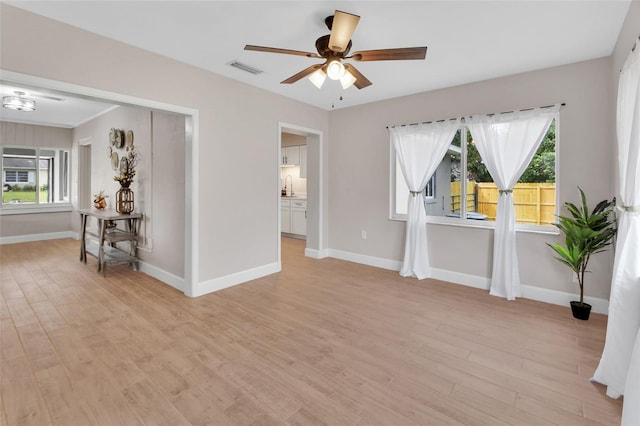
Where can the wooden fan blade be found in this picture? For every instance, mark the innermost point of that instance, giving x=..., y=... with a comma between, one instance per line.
x=390, y=54
x=344, y=24
x=361, y=80
x=305, y=72
x=283, y=51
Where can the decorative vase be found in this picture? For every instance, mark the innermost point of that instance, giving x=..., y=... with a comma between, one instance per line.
x=124, y=200
x=100, y=204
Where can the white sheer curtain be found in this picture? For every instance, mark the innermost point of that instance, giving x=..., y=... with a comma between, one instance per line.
x=507, y=143
x=619, y=366
x=420, y=150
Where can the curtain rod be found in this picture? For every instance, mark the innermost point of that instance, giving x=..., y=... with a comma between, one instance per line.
x=462, y=118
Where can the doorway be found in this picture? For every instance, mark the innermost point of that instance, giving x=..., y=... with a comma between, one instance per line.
x=187, y=282
x=314, y=189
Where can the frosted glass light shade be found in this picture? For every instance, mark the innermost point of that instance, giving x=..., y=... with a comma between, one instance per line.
x=335, y=70
x=318, y=78
x=347, y=80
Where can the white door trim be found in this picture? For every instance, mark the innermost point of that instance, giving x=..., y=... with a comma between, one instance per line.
x=311, y=134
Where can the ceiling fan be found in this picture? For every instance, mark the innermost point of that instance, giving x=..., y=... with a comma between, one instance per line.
x=334, y=48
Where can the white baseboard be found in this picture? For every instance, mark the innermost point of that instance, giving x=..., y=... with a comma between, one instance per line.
x=598, y=305
x=316, y=254
x=220, y=283
x=460, y=278
x=162, y=275
x=364, y=259
x=38, y=237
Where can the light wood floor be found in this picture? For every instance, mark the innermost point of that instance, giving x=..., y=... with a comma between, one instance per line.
x=322, y=342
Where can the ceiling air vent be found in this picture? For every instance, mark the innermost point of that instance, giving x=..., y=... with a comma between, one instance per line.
x=245, y=67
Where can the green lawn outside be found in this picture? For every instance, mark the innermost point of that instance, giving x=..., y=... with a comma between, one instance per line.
x=23, y=197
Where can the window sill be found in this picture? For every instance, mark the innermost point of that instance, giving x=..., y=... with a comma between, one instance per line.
x=8, y=209
x=484, y=224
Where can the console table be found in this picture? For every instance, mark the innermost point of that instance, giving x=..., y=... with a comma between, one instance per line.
x=105, y=250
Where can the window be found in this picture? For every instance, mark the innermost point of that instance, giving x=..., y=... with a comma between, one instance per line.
x=35, y=175
x=16, y=176
x=402, y=192
x=430, y=189
x=462, y=186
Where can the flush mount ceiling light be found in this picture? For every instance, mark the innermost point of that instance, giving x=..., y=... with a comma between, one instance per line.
x=18, y=102
x=334, y=48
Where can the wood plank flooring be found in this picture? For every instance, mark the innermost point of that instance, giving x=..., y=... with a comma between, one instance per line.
x=322, y=342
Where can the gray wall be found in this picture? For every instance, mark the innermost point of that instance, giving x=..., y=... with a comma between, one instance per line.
x=158, y=184
x=359, y=169
x=96, y=133
x=31, y=135
x=628, y=35
x=168, y=210
x=626, y=40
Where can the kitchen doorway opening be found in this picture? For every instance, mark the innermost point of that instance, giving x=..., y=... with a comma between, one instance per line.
x=300, y=189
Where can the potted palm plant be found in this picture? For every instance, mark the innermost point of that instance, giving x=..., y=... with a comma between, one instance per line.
x=586, y=233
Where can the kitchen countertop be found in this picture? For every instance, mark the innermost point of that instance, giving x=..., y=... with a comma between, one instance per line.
x=294, y=197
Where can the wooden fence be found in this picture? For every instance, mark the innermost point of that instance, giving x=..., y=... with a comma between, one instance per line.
x=456, y=197
x=535, y=203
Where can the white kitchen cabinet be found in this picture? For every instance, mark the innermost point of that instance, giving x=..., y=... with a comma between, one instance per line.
x=285, y=215
x=290, y=156
x=293, y=216
x=299, y=217
x=303, y=161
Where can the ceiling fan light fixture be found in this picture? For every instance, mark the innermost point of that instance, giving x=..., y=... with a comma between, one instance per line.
x=347, y=80
x=334, y=48
x=342, y=27
x=335, y=69
x=18, y=102
x=318, y=78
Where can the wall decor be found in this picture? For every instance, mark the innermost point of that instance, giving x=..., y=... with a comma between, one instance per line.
x=115, y=161
x=129, y=140
x=125, y=165
x=117, y=138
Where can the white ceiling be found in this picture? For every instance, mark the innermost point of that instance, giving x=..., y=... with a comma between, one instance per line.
x=52, y=108
x=467, y=40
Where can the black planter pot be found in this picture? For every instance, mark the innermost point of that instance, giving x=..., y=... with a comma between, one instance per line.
x=580, y=311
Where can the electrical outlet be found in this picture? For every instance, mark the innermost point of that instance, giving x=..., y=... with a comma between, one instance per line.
x=363, y=235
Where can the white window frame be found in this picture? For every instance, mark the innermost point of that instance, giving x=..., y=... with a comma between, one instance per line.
x=430, y=189
x=462, y=220
x=62, y=187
